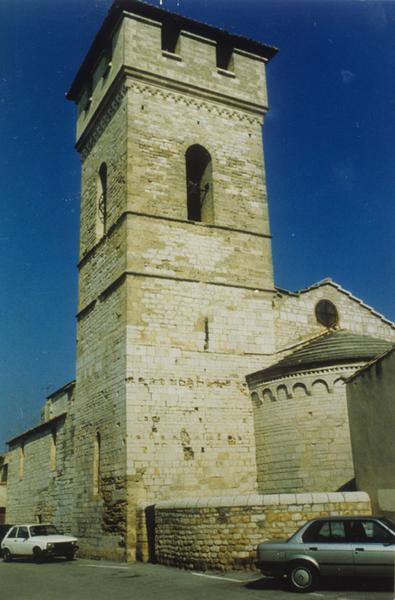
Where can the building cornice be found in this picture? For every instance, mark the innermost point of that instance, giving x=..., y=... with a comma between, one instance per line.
x=323, y=372
x=40, y=427
x=122, y=278
x=121, y=219
x=65, y=388
x=170, y=89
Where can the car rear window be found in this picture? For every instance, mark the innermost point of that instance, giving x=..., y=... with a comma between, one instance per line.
x=325, y=531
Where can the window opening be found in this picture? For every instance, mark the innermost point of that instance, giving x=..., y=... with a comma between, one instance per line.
x=101, y=208
x=224, y=55
x=326, y=531
x=326, y=313
x=4, y=474
x=170, y=38
x=88, y=95
x=199, y=184
x=206, y=334
x=53, y=451
x=370, y=531
x=23, y=533
x=96, y=464
x=21, y=462
x=107, y=61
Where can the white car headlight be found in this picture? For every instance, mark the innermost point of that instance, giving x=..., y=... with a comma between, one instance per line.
x=50, y=546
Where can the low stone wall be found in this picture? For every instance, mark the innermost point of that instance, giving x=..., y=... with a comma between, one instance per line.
x=222, y=533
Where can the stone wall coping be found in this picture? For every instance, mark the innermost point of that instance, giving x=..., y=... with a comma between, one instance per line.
x=263, y=500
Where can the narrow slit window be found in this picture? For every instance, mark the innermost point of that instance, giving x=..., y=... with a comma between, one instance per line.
x=4, y=474
x=101, y=203
x=199, y=184
x=21, y=462
x=96, y=464
x=107, y=61
x=206, y=334
x=53, y=449
x=88, y=94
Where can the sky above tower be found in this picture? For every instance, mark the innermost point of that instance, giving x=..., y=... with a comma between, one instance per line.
x=329, y=152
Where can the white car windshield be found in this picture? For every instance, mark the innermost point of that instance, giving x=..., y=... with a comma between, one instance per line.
x=43, y=530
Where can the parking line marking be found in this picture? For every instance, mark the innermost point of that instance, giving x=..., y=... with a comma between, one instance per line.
x=103, y=567
x=223, y=578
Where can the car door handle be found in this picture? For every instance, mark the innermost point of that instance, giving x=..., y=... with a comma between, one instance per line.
x=359, y=549
x=313, y=548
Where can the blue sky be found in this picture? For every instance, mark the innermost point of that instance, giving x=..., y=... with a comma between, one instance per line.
x=330, y=160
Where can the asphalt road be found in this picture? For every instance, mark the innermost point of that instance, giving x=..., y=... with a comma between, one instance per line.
x=102, y=580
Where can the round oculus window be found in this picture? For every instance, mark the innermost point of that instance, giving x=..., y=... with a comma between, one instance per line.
x=326, y=313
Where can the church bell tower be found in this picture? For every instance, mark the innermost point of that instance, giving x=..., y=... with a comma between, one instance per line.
x=175, y=272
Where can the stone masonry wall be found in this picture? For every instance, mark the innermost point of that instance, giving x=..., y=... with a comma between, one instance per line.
x=107, y=144
x=163, y=124
x=295, y=317
x=100, y=513
x=222, y=533
x=189, y=415
x=370, y=397
x=3, y=487
x=302, y=431
x=40, y=483
x=137, y=44
x=100, y=508
x=164, y=301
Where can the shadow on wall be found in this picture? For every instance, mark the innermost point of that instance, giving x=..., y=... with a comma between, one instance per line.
x=150, y=524
x=350, y=486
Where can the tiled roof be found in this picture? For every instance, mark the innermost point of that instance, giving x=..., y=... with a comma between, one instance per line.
x=333, y=347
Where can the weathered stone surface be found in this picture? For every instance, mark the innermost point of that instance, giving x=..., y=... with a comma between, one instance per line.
x=232, y=545
x=173, y=313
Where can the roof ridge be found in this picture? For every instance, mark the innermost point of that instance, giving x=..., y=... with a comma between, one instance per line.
x=369, y=364
x=305, y=341
x=330, y=281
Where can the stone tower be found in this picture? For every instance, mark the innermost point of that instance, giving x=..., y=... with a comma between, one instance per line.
x=175, y=273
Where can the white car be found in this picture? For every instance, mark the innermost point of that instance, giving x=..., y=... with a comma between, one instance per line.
x=39, y=541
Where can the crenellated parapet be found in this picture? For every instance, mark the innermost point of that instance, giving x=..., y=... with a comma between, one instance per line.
x=150, y=46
